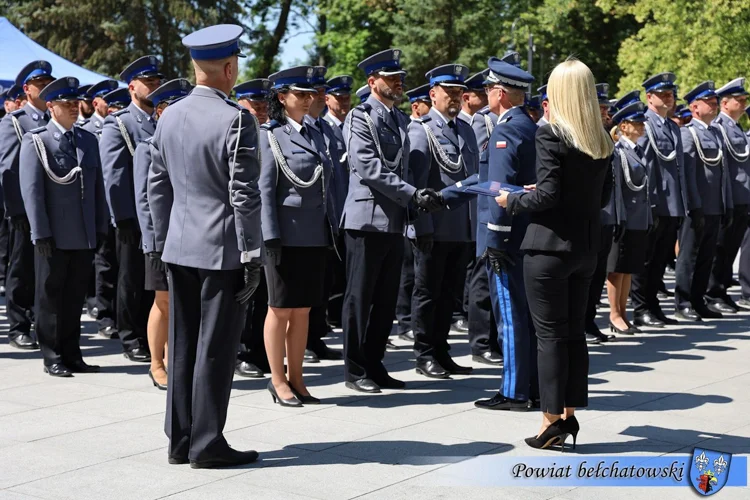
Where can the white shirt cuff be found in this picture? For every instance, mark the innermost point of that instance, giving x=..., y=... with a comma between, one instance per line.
x=248, y=256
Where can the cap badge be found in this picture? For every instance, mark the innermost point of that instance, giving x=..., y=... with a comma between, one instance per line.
x=665, y=77
x=152, y=60
x=457, y=70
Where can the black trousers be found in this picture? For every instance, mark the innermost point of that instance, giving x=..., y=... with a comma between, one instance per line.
x=461, y=292
x=693, y=267
x=646, y=284
x=319, y=314
x=745, y=266
x=19, y=284
x=338, y=285
x=252, y=346
x=4, y=244
x=133, y=300
x=61, y=282
x=600, y=276
x=205, y=324
x=106, y=270
x=405, y=290
x=728, y=245
x=373, y=265
x=557, y=286
x=437, y=275
x=483, y=324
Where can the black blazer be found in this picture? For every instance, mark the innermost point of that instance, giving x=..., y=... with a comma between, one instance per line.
x=571, y=190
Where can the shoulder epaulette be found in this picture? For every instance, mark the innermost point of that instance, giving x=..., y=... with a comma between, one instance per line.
x=228, y=101
x=81, y=129
x=120, y=112
x=37, y=130
x=424, y=119
x=364, y=107
x=18, y=112
x=270, y=125
x=83, y=122
x=484, y=111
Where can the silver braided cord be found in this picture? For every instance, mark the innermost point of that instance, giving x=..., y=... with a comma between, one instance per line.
x=671, y=156
x=711, y=162
x=125, y=135
x=17, y=128
x=390, y=165
x=626, y=173
x=740, y=157
x=441, y=157
x=490, y=125
x=282, y=164
x=69, y=178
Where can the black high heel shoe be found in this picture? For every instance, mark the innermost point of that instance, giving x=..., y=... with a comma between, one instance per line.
x=162, y=387
x=292, y=402
x=571, y=426
x=307, y=400
x=628, y=331
x=556, y=433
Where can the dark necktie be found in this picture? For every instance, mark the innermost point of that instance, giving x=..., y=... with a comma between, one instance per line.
x=303, y=133
x=67, y=145
x=394, y=117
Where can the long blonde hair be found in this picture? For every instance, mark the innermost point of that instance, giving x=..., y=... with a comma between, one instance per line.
x=574, y=109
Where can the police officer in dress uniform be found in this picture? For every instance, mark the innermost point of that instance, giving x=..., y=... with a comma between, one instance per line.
x=732, y=100
x=62, y=189
x=744, y=274
x=375, y=215
x=704, y=159
x=97, y=92
x=85, y=105
x=117, y=100
x=671, y=197
x=544, y=120
x=251, y=95
x=19, y=282
x=121, y=133
x=512, y=157
x=338, y=100
x=337, y=190
x=217, y=198
x=533, y=107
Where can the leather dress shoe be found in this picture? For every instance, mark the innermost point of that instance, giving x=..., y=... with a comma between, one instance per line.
x=92, y=312
x=24, y=342
x=176, y=460
x=108, y=332
x=734, y=282
x=603, y=337
x=322, y=351
x=592, y=339
x=310, y=357
x=453, y=367
x=247, y=369
x=649, y=320
x=667, y=321
x=721, y=307
x=743, y=302
x=687, y=313
x=363, y=385
x=432, y=369
x=139, y=355
x=2, y=290
x=80, y=366
x=534, y=404
x=390, y=346
x=488, y=358
x=387, y=382
x=500, y=402
x=58, y=370
x=705, y=312
x=407, y=336
x=231, y=458
x=462, y=325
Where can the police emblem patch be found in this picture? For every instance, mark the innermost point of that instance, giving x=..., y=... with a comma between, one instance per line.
x=396, y=54
x=310, y=72
x=665, y=77
x=72, y=82
x=152, y=60
x=457, y=70
x=709, y=470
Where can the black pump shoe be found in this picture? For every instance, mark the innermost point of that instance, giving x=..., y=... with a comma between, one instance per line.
x=628, y=331
x=306, y=400
x=556, y=433
x=292, y=402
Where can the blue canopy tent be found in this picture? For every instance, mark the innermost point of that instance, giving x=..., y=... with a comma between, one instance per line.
x=18, y=50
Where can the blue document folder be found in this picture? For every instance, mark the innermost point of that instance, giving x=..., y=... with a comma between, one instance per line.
x=493, y=188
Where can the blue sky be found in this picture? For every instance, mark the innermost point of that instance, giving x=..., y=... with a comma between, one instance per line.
x=294, y=49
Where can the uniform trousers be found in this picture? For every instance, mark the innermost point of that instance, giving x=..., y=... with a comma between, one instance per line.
x=645, y=284
x=373, y=265
x=106, y=271
x=693, y=267
x=728, y=245
x=133, y=300
x=437, y=275
x=405, y=290
x=557, y=285
x=745, y=266
x=483, y=326
x=461, y=295
x=338, y=285
x=61, y=283
x=19, y=284
x=205, y=324
x=600, y=275
x=4, y=245
x=509, y=304
x=252, y=346
x=319, y=314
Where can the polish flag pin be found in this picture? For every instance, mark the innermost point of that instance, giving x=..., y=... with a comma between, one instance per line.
x=501, y=145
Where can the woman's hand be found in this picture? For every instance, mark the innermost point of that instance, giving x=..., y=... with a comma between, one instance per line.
x=530, y=187
x=502, y=200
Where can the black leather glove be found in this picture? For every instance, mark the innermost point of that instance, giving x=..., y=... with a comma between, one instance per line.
x=428, y=200
x=20, y=223
x=697, y=222
x=252, y=279
x=618, y=233
x=273, y=252
x=499, y=260
x=423, y=243
x=154, y=260
x=128, y=232
x=727, y=219
x=45, y=246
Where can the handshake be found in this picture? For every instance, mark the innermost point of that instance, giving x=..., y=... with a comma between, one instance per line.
x=428, y=200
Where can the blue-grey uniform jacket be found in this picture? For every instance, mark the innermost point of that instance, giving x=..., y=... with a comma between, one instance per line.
x=457, y=224
x=203, y=183
x=71, y=213
x=94, y=125
x=711, y=177
x=339, y=184
x=10, y=146
x=117, y=160
x=379, y=197
x=482, y=123
x=631, y=207
x=296, y=215
x=738, y=157
x=141, y=166
x=673, y=191
x=512, y=160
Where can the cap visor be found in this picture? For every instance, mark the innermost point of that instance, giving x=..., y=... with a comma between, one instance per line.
x=452, y=84
x=391, y=73
x=240, y=54
x=302, y=89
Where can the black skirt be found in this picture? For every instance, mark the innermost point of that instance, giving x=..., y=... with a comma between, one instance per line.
x=299, y=280
x=156, y=281
x=629, y=254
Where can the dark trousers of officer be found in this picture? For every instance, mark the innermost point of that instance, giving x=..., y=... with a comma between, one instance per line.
x=19, y=284
x=728, y=245
x=508, y=296
x=106, y=271
x=205, y=324
x=557, y=285
x=437, y=274
x=483, y=326
x=318, y=326
x=600, y=275
x=373, y=265
x=61, y=283
x=461, y=294
x=338, y=286
x=133, y=300
x=645, y=284
x=252, y=347
x=745, y=266
x=693, y=267
x=4, y=245
x=405, y=290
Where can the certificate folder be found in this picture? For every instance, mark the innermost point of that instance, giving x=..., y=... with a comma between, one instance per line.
x=493, y=188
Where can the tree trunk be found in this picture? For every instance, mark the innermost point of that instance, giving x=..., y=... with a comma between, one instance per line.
x=272, y=49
